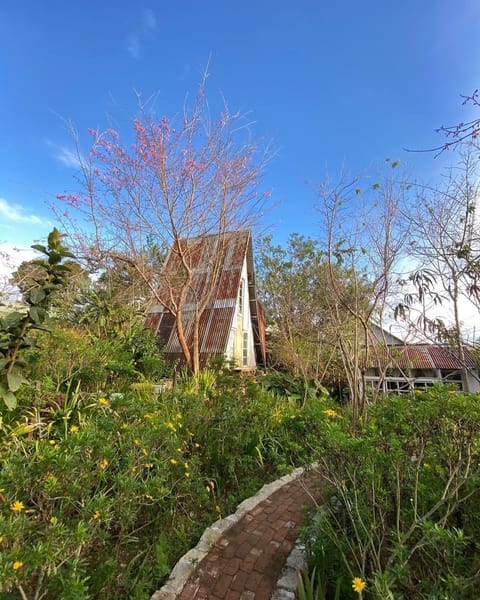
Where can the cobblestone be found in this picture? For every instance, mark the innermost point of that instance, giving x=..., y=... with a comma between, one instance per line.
x=252, y=558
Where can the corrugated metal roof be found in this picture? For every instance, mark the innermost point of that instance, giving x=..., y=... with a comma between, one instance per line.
x=423, y=356
x=195, y=264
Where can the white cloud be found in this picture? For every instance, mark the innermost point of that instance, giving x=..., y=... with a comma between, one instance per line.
x=16, y=214
x=67, y=157
x=133, y=45
x=137, y=37
x=11, y=257
x=148, y=20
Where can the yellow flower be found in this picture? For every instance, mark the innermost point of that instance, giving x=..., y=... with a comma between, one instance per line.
x=196, y=445
x=358, y=585
x=97, y=515
x=18, y=564
x=178, y=416
x=148, y=497
x=52, y=442
x=179, y=450
x=185, y=465
x=330, y=412
x=53, y=520
x=1, y=539
x=17, y=506
x=73, y=429
x=187, y=474
x=103, y=402
x=147, y=416
x=148, y=465
x=173, y=461
x=207, y=487
x=103, y=464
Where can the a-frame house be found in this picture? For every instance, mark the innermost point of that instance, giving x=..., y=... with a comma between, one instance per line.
x=232, y=324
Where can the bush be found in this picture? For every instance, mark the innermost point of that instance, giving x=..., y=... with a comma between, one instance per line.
x=101, y=494
x=402, y=509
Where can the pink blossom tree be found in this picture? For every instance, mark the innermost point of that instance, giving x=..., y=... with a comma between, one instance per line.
x=174, y=181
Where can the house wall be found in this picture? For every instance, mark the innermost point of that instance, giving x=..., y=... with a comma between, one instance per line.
x=241, y=327
x=471, y=383
x=466, y=380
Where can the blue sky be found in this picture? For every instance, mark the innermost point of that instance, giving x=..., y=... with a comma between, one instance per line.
x=328, y=83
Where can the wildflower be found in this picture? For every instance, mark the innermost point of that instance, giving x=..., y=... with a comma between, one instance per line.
x=1, y=539
x=331, y=413
x=52, y=442
x=136, y=442
x=148, y=416
x=53, y=520
x=73, y=429
x=178, y=416
x=218, y=509
x=207, y=487
x=148, y=497
x=97, y=515
x=18, y=564
x=185, y=465
x=179, y=450
x=17, y=507
x=196, y=445
x=358, y=585
x=173, y=461
x=148, y=465
x=187, y=474
x=103, y=402
x=212, y=485
x=103, y=464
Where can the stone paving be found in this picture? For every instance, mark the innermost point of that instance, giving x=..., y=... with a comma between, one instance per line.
x=242, y=557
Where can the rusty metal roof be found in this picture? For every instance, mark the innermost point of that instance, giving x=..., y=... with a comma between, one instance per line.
x=424, y=356
x=197, y=265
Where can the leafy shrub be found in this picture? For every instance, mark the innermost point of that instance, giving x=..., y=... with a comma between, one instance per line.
x=101, y=494
x=402, y=509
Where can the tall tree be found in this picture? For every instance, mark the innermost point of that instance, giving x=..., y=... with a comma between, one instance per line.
x=445, y=247
x=180, y=179
x=362, y=237
x=293, y=284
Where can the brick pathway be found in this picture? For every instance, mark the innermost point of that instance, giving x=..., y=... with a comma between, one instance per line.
x=246, y=561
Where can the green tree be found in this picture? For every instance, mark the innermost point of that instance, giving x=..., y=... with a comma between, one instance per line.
x=51, y=275
x=292, y=283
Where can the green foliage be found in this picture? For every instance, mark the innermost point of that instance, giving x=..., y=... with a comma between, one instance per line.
x=102, y=493
x=402, y=509
x=15, y=328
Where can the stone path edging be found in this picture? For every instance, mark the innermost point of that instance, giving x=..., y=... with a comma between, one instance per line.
x=189, y=561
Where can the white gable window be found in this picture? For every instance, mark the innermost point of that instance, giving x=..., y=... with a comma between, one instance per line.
x=241, y=293
x=245, y=349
